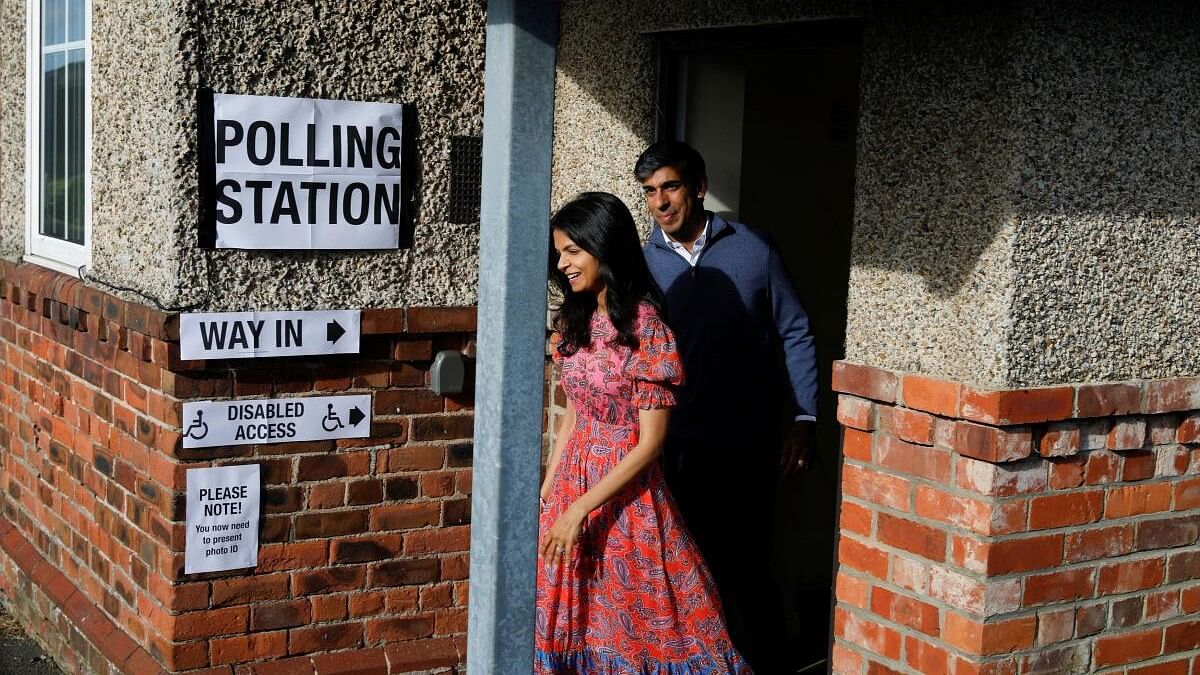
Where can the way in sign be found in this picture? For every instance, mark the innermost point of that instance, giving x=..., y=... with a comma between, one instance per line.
x=228, y=335
x=248, y=334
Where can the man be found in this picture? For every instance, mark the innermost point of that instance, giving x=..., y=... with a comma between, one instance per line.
x=749, y=358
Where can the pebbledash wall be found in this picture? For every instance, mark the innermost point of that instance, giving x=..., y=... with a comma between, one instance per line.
x=1025, y=222
x=1024, y=198
x=149, y=61
x=363, y=558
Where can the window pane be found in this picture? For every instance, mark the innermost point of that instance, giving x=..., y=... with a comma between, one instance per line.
x=54, y=22
x=74, y=123
x=62, y=121
x=53, y=153
x=75, y=19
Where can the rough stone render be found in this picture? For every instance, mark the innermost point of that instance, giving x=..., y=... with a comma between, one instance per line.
x=150, y=59
x=1025, y=191
x=1025, y=208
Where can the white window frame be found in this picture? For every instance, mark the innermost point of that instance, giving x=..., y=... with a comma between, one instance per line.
x=57, y=254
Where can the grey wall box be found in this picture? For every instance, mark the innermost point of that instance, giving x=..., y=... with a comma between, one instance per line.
x=448, y=372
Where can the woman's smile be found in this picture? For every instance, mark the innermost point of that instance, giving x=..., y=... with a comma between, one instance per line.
x=581, y=268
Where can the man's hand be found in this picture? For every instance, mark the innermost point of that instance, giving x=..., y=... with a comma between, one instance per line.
x=797, y=447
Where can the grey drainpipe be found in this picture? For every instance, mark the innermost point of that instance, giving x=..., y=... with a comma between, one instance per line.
x=518, y=116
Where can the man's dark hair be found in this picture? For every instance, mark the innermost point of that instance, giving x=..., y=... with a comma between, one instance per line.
x=672, y=153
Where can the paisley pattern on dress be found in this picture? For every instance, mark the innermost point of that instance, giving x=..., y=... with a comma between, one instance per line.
x=637, y=598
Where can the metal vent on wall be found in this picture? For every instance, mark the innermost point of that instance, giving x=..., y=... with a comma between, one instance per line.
x=466, y=178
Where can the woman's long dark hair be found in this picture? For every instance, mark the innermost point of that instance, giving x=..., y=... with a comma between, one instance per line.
x=601, y=224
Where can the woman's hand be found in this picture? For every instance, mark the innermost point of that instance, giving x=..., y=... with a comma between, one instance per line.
x=560, y=540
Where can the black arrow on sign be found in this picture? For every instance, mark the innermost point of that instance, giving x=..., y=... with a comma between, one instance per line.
x=356, y=416
x=333, y=331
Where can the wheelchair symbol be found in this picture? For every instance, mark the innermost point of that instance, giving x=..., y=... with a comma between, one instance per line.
x=331, y=422
x=198, y=429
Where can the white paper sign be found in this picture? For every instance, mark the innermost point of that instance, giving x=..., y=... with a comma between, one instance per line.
x=276, y=420
x=222, y=519
x=303, y=173
x=234, y=335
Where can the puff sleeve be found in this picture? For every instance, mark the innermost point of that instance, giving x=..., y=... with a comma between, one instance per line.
x=655, y=365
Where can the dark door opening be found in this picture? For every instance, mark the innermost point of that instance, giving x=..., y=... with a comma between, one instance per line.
x=773, y=110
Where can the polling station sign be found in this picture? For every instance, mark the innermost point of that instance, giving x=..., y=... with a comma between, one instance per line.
x=222, y=518
x=240, y=335
x=279, y=420
x=303, y=173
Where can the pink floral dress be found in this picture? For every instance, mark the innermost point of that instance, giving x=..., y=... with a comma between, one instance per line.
x=638, y=598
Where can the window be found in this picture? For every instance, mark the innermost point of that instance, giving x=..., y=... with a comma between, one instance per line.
x=58, y=133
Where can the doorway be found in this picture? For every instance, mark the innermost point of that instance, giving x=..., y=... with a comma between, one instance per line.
x=773, y=110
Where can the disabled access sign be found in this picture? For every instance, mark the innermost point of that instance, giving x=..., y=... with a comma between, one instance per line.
x=208, y=424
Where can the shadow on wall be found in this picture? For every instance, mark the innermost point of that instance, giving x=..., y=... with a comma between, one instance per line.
x=1110, y=110
x=936, y=169
x=1109, y=222
x=1072, y=123
x=1025, y=181
x=973, y=117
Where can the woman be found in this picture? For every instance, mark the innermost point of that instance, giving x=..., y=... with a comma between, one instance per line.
x=621, y=586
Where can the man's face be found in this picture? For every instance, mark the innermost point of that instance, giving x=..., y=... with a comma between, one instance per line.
x=675, y=204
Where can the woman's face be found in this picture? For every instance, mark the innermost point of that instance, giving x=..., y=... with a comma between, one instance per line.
x=581, y=268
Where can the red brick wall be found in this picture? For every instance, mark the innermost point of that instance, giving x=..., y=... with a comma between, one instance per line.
x=1040, y=530
x=363, y=557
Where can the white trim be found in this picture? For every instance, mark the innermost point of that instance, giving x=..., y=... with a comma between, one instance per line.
x=67, y=46
x=33, y=86
x=68, y=269
x=40, y=249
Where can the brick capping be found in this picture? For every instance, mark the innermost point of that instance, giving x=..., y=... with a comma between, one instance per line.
x=1040, y=530
x=1003, y=407
x=73, y=303
x=363, y=542
x=1006, y=425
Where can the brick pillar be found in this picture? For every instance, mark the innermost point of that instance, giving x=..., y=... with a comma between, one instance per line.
x=1042, y=530
x=363, y=557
